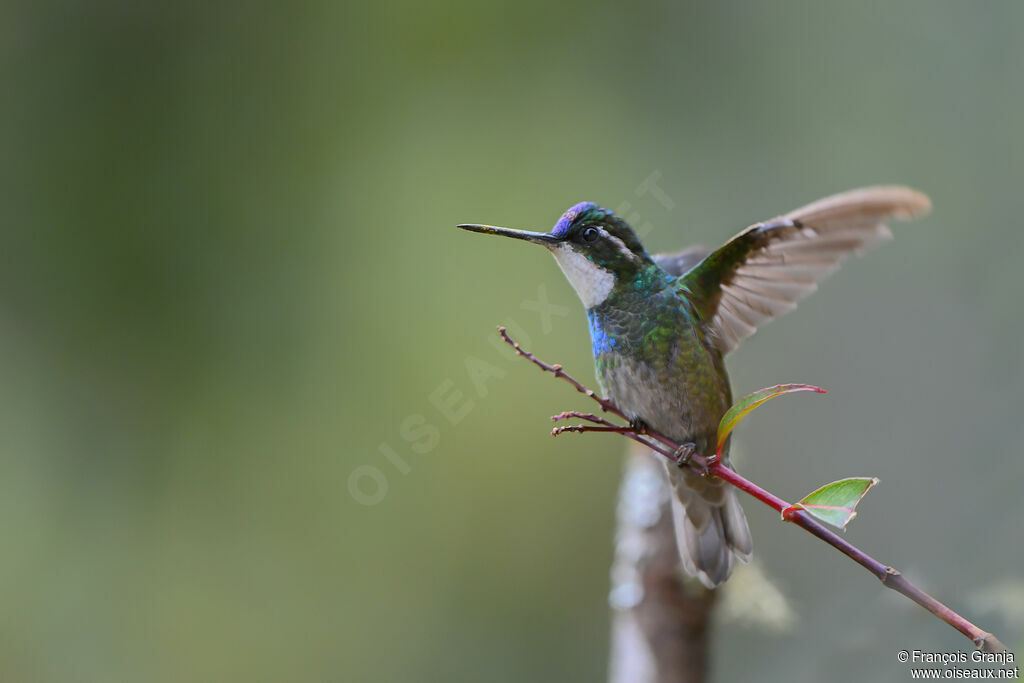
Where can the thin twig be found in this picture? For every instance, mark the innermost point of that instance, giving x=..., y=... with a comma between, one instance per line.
x=557, y=371
x=580, y=429
x=628, y=432
x=889, y=577
x=600, y=425
x=589, y=417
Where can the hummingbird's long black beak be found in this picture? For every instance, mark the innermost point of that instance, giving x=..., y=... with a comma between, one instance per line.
x=535, y=237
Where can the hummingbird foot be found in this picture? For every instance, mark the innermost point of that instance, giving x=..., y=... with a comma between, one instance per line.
x=639, y=426
x=708, y=462
x=684, y=453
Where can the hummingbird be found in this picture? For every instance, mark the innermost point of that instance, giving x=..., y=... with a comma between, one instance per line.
x=661, y=326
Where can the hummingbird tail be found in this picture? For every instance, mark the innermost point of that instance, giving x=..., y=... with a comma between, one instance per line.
x=711, y=529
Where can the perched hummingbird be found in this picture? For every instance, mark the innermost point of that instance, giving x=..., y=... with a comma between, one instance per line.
x=661, y=325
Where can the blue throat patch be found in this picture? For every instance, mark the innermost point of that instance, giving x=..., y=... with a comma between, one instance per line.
x=602, y=341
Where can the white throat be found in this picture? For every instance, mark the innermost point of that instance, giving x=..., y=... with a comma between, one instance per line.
x=592, y=282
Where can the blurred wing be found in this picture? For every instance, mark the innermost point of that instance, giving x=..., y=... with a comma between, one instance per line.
x=678, y=263
x=762, y=272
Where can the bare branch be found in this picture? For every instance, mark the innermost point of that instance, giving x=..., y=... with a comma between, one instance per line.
x=580, y=429
x=589, y=417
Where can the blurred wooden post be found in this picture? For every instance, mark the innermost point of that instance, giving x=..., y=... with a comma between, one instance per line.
x=660, y=622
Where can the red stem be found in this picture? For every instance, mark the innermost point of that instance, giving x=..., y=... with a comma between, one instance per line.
x=889, y=577
x=884, y=573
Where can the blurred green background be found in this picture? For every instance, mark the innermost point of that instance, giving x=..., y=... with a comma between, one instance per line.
x=232, y=300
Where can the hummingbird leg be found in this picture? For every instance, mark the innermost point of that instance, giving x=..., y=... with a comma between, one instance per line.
x=683, y=454
x=708, y=462
x=638, y=425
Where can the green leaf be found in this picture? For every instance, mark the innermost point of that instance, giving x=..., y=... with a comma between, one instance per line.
x=835, y=503
x=746, y=404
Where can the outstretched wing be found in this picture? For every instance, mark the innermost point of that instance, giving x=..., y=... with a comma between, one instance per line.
x=762, y=272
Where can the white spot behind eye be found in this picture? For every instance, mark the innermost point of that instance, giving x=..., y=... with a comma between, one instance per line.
x=623, y=249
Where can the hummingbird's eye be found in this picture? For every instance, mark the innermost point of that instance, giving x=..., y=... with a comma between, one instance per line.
x=590, y=235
